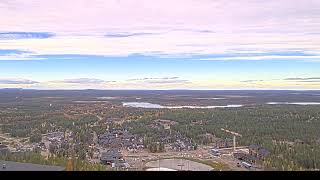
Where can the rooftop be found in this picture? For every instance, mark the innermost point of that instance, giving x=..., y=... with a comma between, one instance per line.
x=3, y=146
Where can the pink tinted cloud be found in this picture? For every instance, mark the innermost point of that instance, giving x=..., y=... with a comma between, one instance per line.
x=167, y=25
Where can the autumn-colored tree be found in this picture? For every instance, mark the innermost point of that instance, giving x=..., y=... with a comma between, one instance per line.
x=70, y=165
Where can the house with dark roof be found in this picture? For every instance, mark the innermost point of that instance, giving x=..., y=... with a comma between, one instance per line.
x=118, y=139
x=4, y=149
x=258, y=151
x=263, y=153
x=111, y=156
x=166, y=124
x=245, y=157
x=222, y=143
x=18, y=166
x=298, y=141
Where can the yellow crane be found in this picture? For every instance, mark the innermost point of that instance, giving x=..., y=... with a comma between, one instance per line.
x=234, y=137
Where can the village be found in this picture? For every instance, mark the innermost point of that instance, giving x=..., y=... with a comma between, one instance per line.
x=118, y=149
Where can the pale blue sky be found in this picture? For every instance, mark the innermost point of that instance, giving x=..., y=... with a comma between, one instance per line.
x=121, y=69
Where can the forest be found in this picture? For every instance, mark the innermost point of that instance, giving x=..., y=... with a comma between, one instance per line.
x=290, y=133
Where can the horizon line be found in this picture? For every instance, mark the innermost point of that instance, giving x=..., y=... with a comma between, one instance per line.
x=162, y=89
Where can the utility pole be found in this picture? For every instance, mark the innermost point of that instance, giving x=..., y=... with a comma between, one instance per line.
x=159, y=162
x=188, y=165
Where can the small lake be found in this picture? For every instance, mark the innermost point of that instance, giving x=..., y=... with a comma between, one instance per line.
x=158, y=106
x=179, y=164
x=294, y=103
x=108, y=97
x=210, y=98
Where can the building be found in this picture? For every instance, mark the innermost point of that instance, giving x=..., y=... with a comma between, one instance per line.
x=245, y=157
x=299, y=142
x=166, y=124
x=207, y=138
x=253, y=149
x=182, y=144
x=111, y=156
x=4, y=149
x=214, y=152
x=262, y=154
x=121, y=165
x=54, y=136
x=17, y=166
x=118, y=139
x=258, y=151
x=222, y=143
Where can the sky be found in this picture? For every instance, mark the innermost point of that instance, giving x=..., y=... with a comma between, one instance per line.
x=167, y=44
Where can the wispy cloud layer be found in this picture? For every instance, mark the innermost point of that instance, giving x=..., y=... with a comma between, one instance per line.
x=123, y=35
x=180, y=27
x=81, y=33
x=77, y=83
x=80, y=81
x=17, y=81
x=252, y=81
x=162, y=83
x=24, y=35
x=272, y=57
x=308, y=78
x=153, y=78
x=160, y=80
x=85, y=83
x=304, y=80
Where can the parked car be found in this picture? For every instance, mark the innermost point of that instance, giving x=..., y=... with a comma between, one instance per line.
x=246, y=165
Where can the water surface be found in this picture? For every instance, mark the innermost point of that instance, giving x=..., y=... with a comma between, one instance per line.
x=158, y=106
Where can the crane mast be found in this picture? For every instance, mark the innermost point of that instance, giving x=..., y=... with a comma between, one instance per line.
x=234, y=137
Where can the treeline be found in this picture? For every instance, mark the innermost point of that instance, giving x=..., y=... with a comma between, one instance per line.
x=152, y=146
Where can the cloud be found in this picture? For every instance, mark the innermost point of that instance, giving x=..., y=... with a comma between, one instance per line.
x=252, y=81
x=304, y=80
x=162, y=78
x=76, y=83
x=81, y=81
x=17, y=81
x=24, y=35
x=121, y=35
x=15, y=54
x=271, y=57
x=309, y=81
x=170, y=28
x=309, y=78
x=138, y=83
x=19, y=57
x=180, y=81
x=159, y=81
x=12, y=51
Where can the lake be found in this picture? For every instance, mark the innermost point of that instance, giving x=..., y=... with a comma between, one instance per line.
x=158, y=106
x=294, y=103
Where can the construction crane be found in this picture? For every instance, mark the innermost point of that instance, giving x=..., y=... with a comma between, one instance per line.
x=234, y=137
